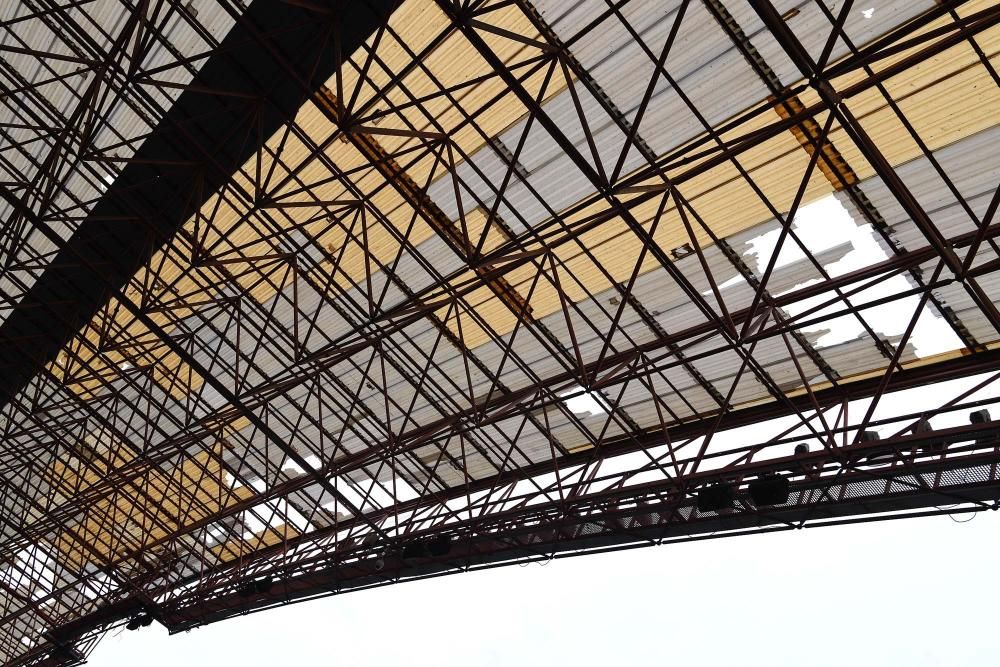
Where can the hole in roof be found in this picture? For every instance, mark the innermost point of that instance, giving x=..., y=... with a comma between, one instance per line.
x=108, y=179
x=311, y=460
x=97, y=584
x=273, y=514
x=252, y=523
x=30, y=571
x=215, y=534
x=682, y=251
x=868, y=13
x=823, y=225
x=365, y=495
x=583, y=403
x=256, y=483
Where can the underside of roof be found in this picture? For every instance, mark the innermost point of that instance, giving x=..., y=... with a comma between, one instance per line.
x=301, y=297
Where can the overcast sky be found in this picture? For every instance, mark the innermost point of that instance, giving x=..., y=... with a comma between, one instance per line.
x=912, y=592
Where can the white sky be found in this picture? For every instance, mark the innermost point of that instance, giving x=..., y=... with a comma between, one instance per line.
x=825, y=224
x=911, y=592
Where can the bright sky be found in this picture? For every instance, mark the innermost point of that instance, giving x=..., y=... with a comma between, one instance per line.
x=826, y=224
x=911, y=592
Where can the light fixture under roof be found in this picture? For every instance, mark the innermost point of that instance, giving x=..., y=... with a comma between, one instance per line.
x=769, y=490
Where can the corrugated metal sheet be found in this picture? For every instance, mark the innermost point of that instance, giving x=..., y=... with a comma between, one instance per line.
x=421, y=378
x=974, y=171
x=79, y=182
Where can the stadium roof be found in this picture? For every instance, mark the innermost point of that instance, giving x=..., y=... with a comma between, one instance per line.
x=307, y=296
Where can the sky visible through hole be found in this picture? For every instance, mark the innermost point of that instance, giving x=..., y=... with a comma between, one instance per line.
x=823, y=225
